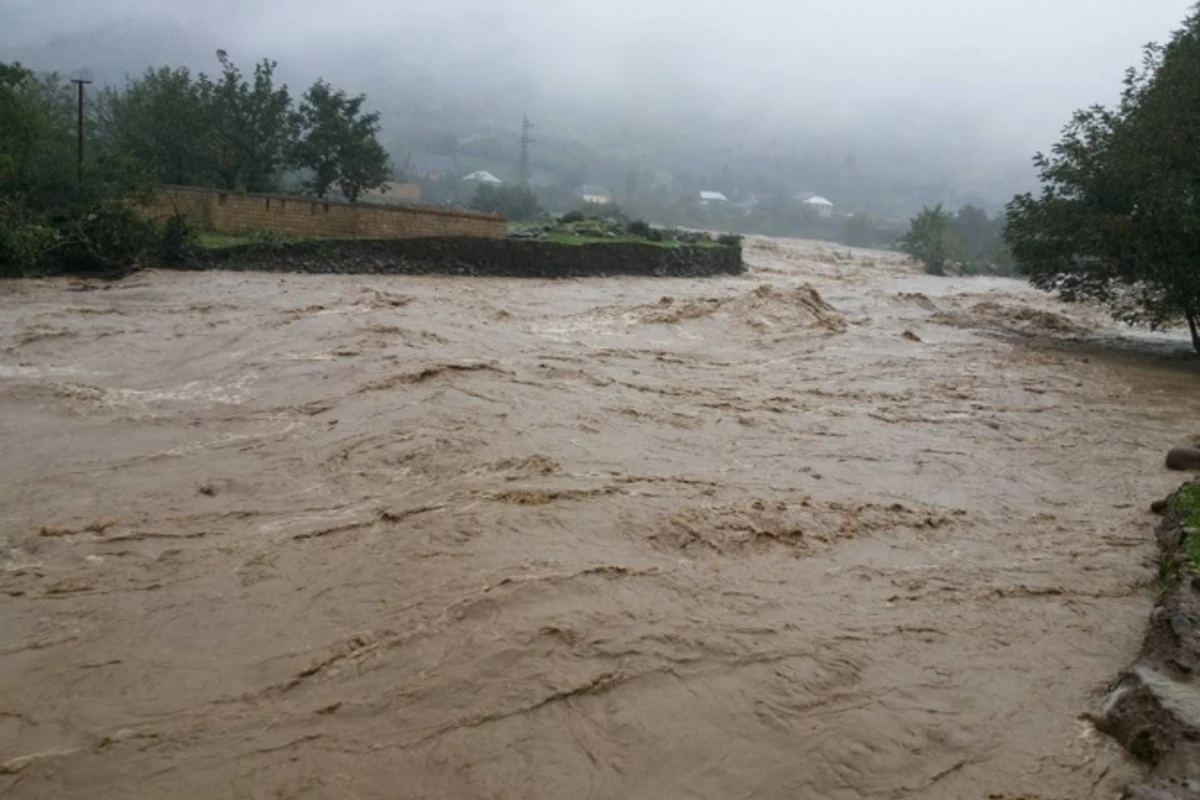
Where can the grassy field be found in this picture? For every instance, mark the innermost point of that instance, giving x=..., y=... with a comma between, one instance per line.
x=566, y=236
x=1187, y=504
x=578, y=239
x=593, y=232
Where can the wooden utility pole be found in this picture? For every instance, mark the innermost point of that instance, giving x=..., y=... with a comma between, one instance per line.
x=80, y=82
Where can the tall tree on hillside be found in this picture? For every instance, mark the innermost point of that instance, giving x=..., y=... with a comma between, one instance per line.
x=1118, y=218
x=252, y=125
x=337, y=141
x=160, y=120
x=933, y=240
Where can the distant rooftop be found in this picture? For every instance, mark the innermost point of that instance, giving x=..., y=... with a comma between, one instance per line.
x=713, y=197
x=482, y=176
x=817, y=200
x=592, y=188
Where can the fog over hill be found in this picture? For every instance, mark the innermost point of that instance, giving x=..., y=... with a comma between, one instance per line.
x=881, y=105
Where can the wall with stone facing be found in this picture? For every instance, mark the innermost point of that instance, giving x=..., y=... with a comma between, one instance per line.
x=517, y=258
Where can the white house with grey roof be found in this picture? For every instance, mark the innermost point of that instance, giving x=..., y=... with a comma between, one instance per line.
x=482, y=176
x=822, y=206
x=592, y=193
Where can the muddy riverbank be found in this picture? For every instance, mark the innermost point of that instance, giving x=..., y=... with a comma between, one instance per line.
x=828, y=529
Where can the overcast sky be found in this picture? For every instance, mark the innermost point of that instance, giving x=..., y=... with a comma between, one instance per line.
x=995, y=75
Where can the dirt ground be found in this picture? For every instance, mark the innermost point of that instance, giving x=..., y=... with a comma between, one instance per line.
x=831, y=529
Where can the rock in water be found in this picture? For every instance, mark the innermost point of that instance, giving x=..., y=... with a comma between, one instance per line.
x=1183, y=458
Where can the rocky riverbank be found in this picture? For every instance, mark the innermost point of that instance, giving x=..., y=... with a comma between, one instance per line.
x=1153, y=709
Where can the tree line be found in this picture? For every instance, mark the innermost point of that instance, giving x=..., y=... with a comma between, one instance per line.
x=1117, y=219
x=242, y=133
x=231, y=131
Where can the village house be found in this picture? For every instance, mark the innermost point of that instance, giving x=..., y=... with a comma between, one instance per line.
x=823, y=207
x=591, y=193
x=481, y=177
x=712, y=198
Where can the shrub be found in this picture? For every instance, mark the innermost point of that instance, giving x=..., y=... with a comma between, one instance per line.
x=24, y=240
x=572, y=216
x=933, y=240
x=268, y=236
x=107, y=236
x=639, y=228
x=177, y=239
x=730, y=240
x=603, y=211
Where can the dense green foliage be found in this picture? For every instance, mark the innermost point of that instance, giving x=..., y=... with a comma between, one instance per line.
x=251, y=125
x=513, y=202
x=576, y=228
x=49, y=218
x=160, y=120
x=242, y=133
x=933, y=240
x=1118, y=217
x=968, y=242
x=166, y=126
x=337, y=143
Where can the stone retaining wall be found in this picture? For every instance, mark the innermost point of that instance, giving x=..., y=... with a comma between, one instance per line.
x=474, y=256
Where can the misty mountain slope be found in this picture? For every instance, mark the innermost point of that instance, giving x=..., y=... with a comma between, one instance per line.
x=882, y=107
x=118, y=49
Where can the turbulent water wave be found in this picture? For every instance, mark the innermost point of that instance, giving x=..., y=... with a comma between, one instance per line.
x=790, y=534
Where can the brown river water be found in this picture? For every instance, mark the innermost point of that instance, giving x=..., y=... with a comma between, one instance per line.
x=831, y=529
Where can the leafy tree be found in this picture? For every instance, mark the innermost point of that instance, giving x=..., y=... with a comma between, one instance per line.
x=933, y=240
x=24, y=239
x=251, y=123
x=364, y=166
x=48, y=217
x=36, y=165
x=337, y=141
x=37, y=148
x=514, y=202
x=159, y=120
x=976, y=231
x=1118, y=217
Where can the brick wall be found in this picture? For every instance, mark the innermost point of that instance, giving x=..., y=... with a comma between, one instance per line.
x=213, y=211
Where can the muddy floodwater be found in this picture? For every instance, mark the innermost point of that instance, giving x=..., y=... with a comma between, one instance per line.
x=831, y=529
